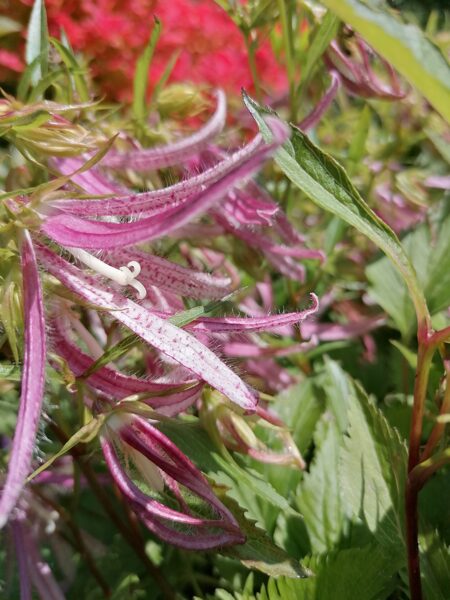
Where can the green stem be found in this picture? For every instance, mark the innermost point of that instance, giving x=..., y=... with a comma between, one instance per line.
x=438, y=428
x=286, y=25
x=250, y=46
x=423, y=471
x=440, y=337
x=84, y=551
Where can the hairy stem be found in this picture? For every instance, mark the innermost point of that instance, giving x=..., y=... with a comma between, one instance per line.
x=84, y=551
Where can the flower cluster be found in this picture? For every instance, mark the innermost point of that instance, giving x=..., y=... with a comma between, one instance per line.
x=64, y=234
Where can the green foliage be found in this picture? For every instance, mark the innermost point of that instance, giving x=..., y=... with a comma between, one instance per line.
x=326, y=183
x=372, y=471
x=140, y=82
x=36, y=51
x=365, y=573
x=429, y=252
x=404, y=45
x=319, y=496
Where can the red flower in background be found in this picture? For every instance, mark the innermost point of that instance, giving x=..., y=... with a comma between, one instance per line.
x=113, y=33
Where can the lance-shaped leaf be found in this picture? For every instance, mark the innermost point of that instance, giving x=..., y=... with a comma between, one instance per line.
x=161, y=464
x=324, y=180
x=172, y=341
x=32, y=382
x=176, y=152
x=72, y=231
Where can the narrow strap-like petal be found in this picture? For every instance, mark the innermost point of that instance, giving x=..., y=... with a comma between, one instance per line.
x=172, y=277
x=174, y=153
x=247, y=324
x=322, y=106
x=72, y=231
x=40, y=572
x=22, y=560
x=155, y=200
x=165, y=522
x=109, y=381
x=170, y=340
x=32, y=382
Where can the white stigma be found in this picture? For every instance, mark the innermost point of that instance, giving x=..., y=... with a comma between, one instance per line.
x=123, y=276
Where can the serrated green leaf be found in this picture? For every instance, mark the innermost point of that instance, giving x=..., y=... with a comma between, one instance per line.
x=372, y=470
x=318, y=495
x=435, y=566
x=259, y=551
x=358, y=573
x=37, y=41
x=430, y=255
x=300, y=408
x=405, y=46
x=338, y=389
x=326, y=183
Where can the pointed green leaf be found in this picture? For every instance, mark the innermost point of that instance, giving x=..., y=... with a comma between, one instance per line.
x=326, y=183
x=141, y=74
x=37, y=41
x=259, y=551
x=74, y=69
x=318, y=495
x=372, y=470
x=83, y=436
x=435, y=566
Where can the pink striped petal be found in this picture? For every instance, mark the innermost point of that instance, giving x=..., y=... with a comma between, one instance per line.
x=336, y=331
x=156, y=200
x=72, y=231
x=33, y=373
x=322, y=106
x=176, y=152
x=117, y=385
x=92, y=181
x=39, y=571
x=176, y=469
x=170, y=340
x=164, y=274
x=248, y=324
